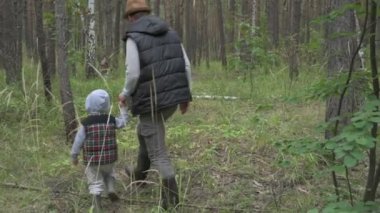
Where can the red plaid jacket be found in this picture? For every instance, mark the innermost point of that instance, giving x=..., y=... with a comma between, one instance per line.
x=100, y=146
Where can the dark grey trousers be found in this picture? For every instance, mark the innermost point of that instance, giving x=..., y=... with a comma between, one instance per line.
x=152, y=151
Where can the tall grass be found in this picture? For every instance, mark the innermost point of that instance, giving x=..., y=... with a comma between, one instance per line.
x=223, y=149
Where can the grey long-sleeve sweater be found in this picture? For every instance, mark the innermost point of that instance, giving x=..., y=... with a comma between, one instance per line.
x=133, y=68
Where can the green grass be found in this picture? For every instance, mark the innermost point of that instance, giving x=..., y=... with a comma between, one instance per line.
x=223, y=151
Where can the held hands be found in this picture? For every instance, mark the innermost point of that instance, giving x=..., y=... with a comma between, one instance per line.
x=122, y=101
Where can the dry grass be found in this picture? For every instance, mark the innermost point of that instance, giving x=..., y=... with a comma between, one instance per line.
x=223, y=151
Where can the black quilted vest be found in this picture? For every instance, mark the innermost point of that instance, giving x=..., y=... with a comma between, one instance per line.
x=163, y=82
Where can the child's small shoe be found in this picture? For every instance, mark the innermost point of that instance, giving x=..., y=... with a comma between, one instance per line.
x=113, y=197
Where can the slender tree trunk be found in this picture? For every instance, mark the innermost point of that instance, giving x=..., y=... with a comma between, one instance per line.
x=99, y=13
x=189, y=29
x=340, y=52
x=157, y=7
x=116, y=45
x=64, y=79
x=193, y=33
x=378, y=36
x=11, y=43
x=286, y=18
x=306, y=14
x=178, y=17
x=2, y=37
x=19, y=10
x=169, y=10
x=108, y=33
x=200, y=31
x=42, y=50
x=28, y=28
x=222, y=33
x=246, y=11
x=50, y=36
x=273, y=21
x=295, y=39
x=231, y=37
x=206, y=34
x=245, y=35
x=254, y=12
x=373, y=177
x=91, y=41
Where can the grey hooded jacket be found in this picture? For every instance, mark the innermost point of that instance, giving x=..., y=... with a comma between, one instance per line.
x=97, y=102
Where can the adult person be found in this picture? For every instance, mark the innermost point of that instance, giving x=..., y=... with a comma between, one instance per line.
x=158, y=79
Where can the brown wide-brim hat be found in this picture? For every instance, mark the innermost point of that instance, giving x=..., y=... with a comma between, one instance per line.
x=134, y=6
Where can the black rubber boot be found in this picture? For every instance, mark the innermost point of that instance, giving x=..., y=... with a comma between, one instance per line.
x=113, y=197
x=169, y=194
x=143, y=164
x=140, y=172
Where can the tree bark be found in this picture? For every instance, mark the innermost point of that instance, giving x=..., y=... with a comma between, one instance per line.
x=306, y=15
x=109, y=36
x=41, y=46
x=378, y=37
x=30, y=32
x=223, y=55
x=116, y=45
x=373, y=176
x=246, y=10
x=189, y=30
x=231, y=37
x=206, y=35
x=340, y=51
x=254, y=12
x=178, y=17
x=64, y=79
x=100, y=17
x=157, y=7
x=273, y=21
x=285, y=18
x=50, y=36
x=11, y=43
x=245, y=36
x=91, y=41
x=294, y=39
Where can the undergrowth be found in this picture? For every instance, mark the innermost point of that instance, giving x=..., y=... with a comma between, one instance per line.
x=229, y=154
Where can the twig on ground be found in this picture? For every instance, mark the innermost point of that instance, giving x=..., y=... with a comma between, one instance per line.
x=130, y=201
x=18, y=186
x=215, y=97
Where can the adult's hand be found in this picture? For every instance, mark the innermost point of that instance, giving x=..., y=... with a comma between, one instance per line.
x=183, y=107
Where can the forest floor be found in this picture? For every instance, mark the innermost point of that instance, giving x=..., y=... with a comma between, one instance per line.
x=229, y=154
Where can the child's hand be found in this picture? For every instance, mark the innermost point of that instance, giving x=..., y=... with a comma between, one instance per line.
x=122, y=100
x=75, y=162
x=122, y=104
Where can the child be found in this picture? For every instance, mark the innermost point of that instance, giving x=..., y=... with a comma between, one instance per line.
x=97, y=137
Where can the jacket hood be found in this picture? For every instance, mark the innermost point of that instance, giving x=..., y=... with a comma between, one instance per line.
x=98, y=101
x=152, y=25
